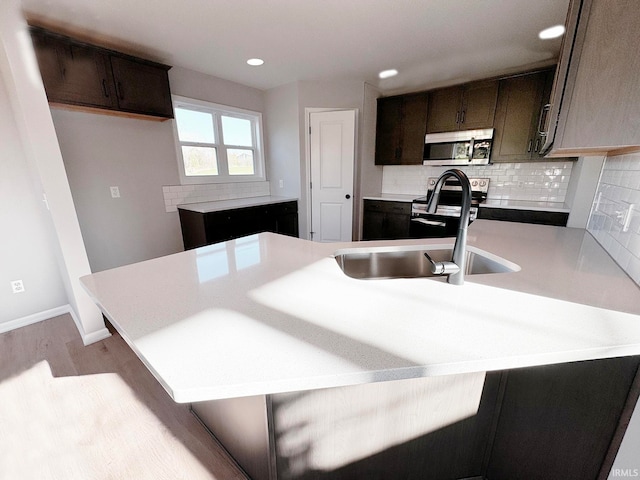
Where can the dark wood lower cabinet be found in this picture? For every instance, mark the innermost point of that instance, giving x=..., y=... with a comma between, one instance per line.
x=556, y=422
x=560, y=421
x=559, y=219
x=200, y=229
x=385, y=220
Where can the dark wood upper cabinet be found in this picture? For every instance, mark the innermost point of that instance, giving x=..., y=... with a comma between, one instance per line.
x=400, y=129
x=74, y=73
x=517, y=115
x=444, y=110
x=597, y=92
x=463, y=107
x=85, y=76
x=141, y=87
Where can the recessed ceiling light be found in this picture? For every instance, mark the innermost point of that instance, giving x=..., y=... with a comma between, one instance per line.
x=255, y=62
x=388, y=73
x=552, y=32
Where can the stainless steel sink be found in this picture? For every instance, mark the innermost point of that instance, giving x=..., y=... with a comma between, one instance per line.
x=409, y=261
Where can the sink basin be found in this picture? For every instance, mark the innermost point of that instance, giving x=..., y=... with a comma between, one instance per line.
x=409, y=261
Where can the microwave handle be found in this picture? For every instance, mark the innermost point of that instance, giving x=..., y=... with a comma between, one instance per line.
x=470, y=152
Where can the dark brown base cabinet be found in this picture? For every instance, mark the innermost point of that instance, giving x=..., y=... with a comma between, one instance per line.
x=385, y=220
x=558, y=219
x=200, y=229
x=555, y=422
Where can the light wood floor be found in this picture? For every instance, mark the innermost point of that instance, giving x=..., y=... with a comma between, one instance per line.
x=73, y=412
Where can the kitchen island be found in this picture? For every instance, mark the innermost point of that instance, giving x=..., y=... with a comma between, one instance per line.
x=271, y=324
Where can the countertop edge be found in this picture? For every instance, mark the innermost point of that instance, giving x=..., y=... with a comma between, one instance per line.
x=234, y=204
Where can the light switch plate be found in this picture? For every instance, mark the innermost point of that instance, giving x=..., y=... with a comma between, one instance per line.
x=115, y=192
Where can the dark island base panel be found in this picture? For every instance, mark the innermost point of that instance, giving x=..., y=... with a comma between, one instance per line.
x=558, y=219
x=200, y=229
x=556, y=422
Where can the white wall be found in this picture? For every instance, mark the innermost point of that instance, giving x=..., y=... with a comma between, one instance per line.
x=27, y=247
x=40, y=147
x=282, y=128
x=137, y=156
x=189, y=83
x=368, y=174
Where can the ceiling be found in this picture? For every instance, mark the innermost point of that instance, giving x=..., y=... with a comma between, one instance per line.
x=431, y=42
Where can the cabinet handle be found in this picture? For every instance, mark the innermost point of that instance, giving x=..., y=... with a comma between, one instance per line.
x=347, y=196
x=530, y=145
x=457, y=117
x=543, y=118
x=104, y=88
x=120, y=90
x=537, y=147
x=462, y=116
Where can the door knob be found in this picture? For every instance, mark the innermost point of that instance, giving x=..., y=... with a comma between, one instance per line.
x=347, y=196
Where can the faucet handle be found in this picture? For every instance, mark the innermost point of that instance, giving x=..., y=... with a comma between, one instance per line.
x=442, y=268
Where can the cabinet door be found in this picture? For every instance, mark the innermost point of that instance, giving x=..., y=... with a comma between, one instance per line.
x=388, y=131
x=558, y=421
x=603, y=111
x=286, y=218
x=372, y=220
x=73, y=73
x=396, y=225
x=385, y=220
x=414, y=124
x=444, y=110
x=141, y=87
x=516, y=119
x=479, y=105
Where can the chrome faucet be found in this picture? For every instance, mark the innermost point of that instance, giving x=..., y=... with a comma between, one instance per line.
x=456, y=267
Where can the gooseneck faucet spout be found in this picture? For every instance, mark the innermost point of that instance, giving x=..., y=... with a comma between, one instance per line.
x=455, y=269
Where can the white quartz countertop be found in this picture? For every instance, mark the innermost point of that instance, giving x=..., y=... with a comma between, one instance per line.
x=268, y=313
x=220, y=205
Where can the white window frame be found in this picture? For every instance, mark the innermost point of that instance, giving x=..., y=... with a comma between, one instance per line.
x=217, y=111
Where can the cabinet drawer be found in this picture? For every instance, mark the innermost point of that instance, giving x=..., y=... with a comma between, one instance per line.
x=387, y=206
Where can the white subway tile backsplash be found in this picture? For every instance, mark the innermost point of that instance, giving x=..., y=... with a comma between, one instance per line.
x=181, y=194
x=547, y=181
x=618, y=191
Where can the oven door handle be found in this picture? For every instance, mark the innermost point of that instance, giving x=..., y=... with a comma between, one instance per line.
x=431, y=223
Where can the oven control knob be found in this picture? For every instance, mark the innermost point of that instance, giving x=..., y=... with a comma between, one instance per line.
x=483, y=183
x=474, y=183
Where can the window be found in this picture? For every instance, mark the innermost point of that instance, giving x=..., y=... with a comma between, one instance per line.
x=217, y=143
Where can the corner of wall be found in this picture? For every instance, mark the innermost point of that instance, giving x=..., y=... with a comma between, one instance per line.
x=42, y=153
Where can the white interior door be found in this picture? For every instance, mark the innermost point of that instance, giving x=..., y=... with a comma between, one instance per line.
x=332, y=152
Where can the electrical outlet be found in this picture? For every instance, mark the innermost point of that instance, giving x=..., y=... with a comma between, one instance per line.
x=115, y=192
x=281, y=183
x=17, y=286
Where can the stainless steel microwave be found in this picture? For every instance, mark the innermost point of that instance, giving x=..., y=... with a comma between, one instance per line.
x=463, y=147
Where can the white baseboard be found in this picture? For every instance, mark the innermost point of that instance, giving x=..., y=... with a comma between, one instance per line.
x=87, y=338
x=34, y=318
